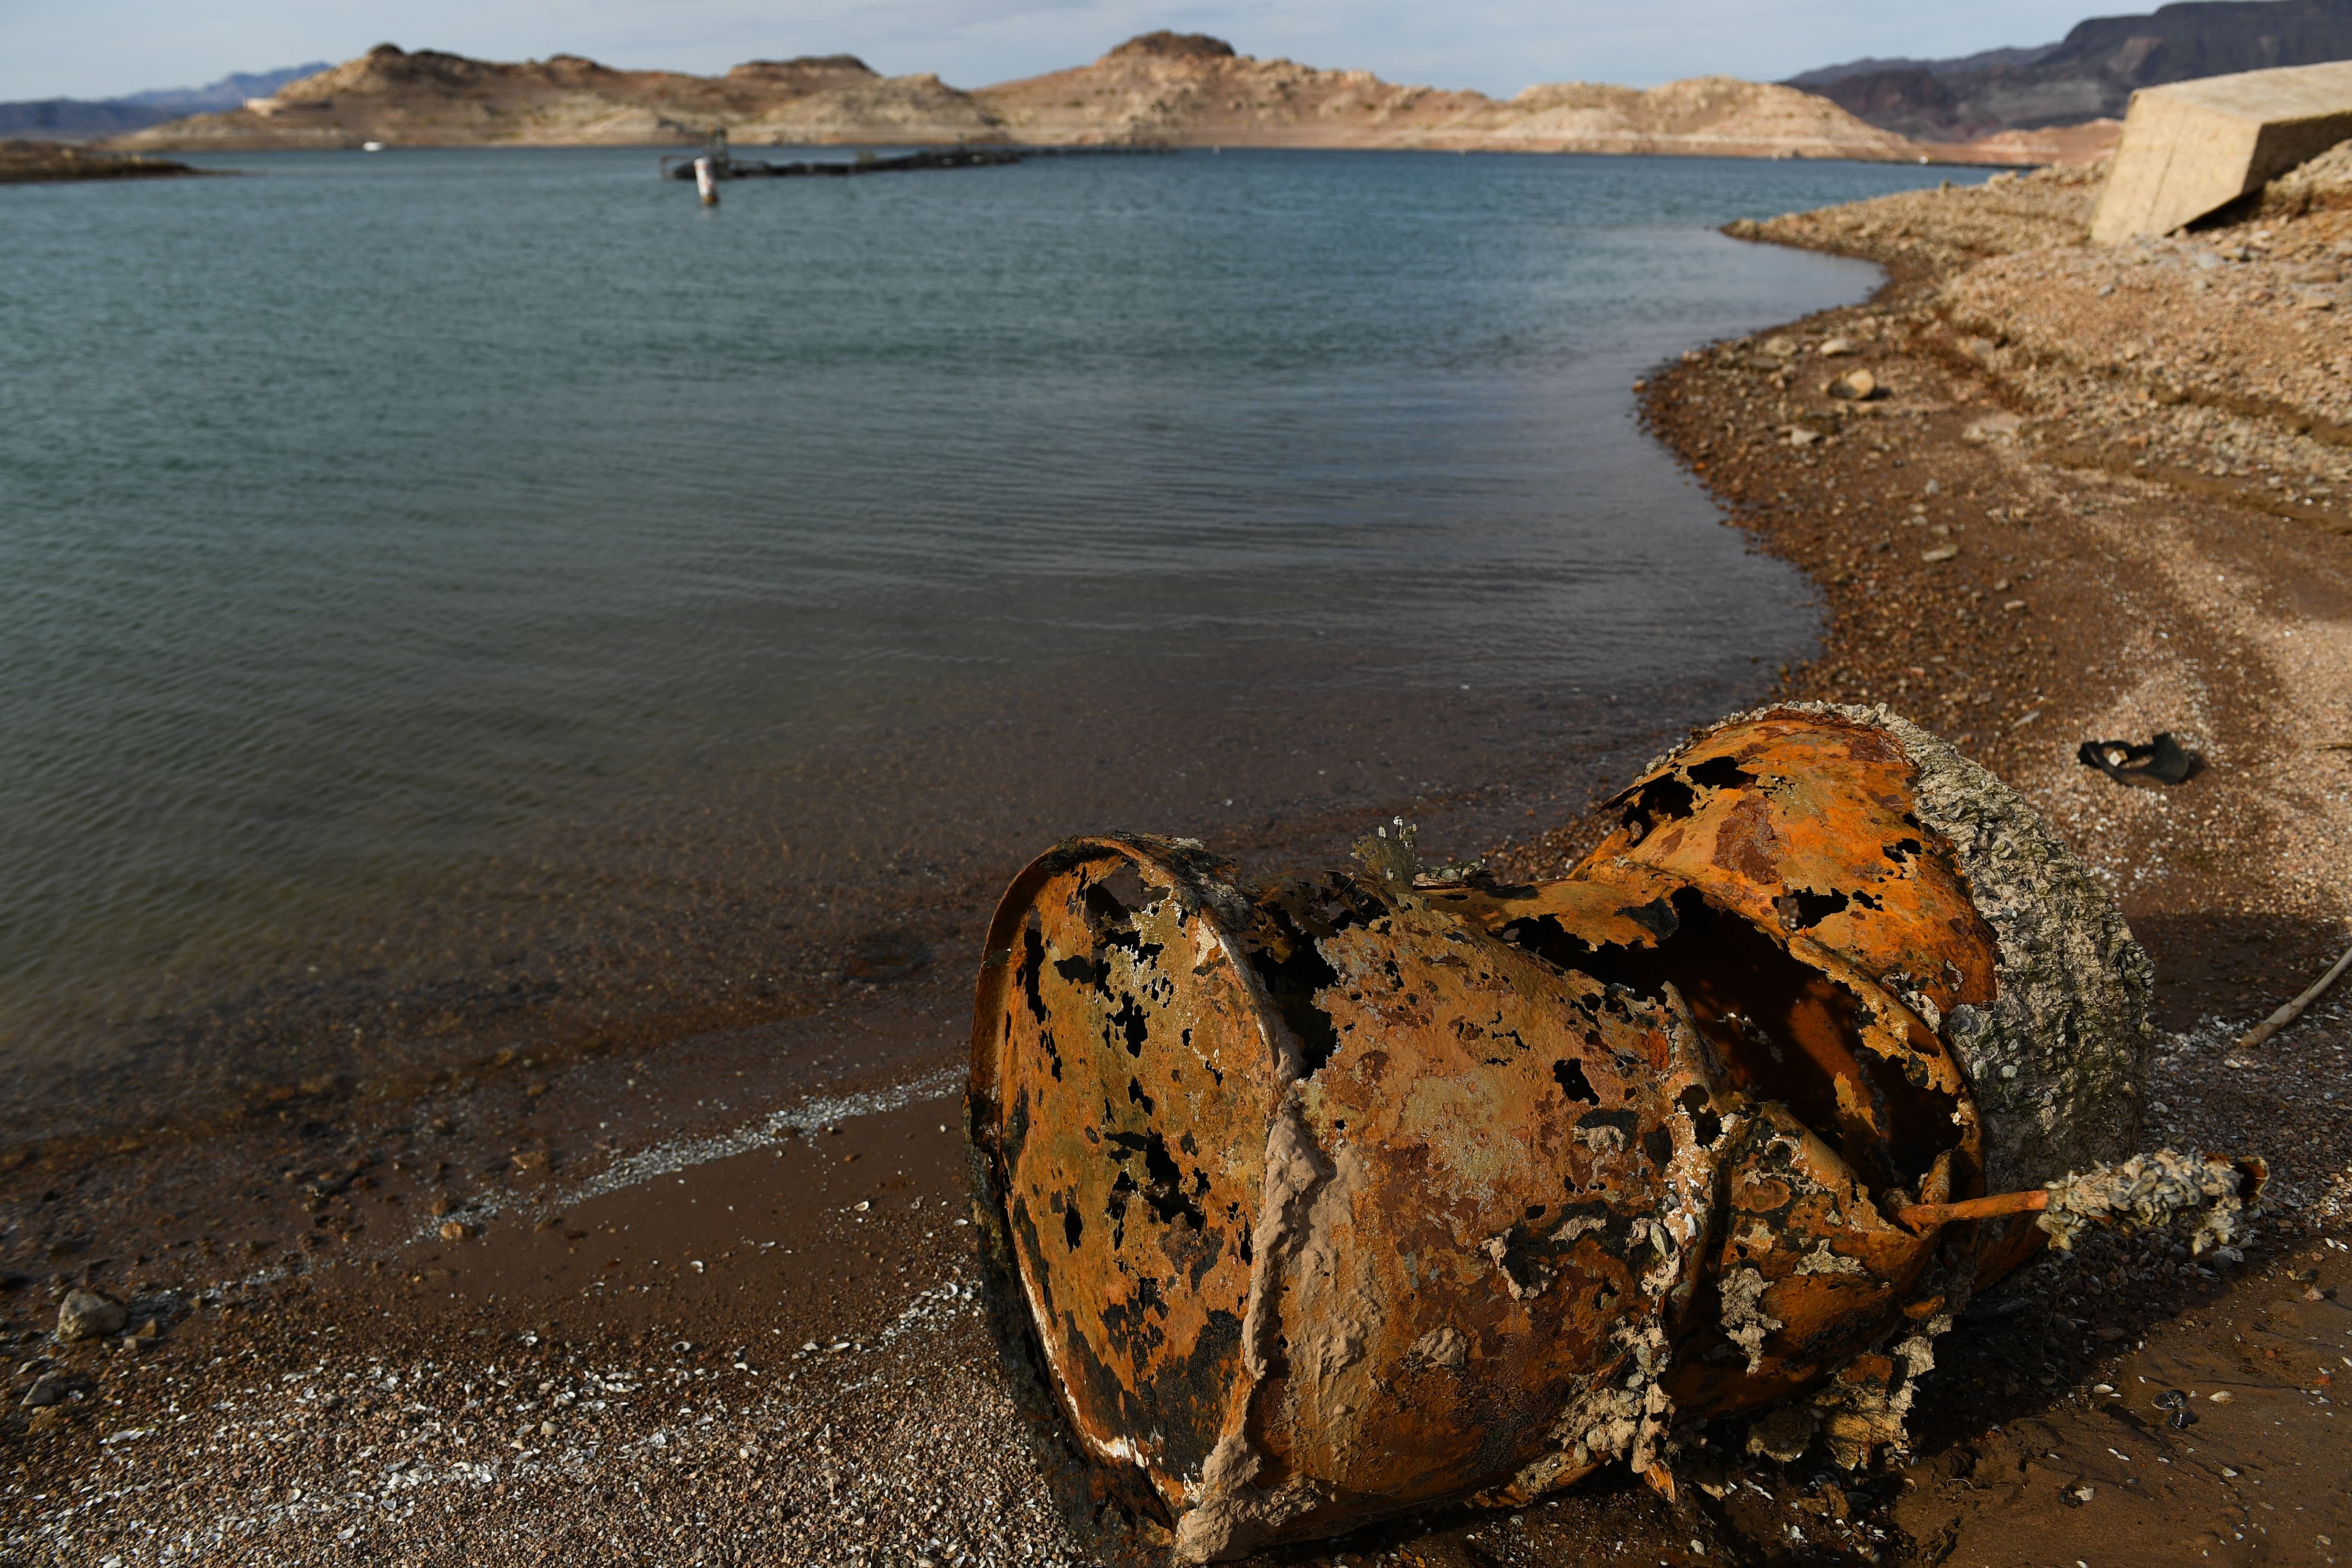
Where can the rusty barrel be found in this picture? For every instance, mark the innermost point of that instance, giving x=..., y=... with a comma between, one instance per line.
x=1319, y=1201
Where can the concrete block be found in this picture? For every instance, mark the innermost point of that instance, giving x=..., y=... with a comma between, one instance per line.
x=2190, y=146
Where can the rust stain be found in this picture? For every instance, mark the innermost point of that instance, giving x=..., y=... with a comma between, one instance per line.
x=1133, y=1077
x=1363, y=1193
x=1806, y=821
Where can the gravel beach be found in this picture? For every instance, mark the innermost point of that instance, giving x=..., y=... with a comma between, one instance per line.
x=702, y=1310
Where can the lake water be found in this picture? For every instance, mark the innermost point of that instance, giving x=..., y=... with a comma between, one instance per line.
x=456, y=599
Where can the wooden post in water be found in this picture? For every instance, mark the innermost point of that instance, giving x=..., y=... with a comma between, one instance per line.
x=706, y=182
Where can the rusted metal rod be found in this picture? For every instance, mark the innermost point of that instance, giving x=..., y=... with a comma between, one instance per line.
x=1922, y=1217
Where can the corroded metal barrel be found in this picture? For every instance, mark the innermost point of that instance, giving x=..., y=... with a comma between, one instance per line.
x=1336, y=1198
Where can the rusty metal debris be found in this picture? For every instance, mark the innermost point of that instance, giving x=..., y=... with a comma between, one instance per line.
x=1323, y=1200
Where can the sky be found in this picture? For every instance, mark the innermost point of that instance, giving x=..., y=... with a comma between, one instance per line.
x=51, y=51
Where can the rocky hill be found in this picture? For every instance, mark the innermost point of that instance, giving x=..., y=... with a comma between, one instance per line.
x=1184, y=89
x=1718, y=116
x=433, y=99
x=1188, y=89
x=2090, y=74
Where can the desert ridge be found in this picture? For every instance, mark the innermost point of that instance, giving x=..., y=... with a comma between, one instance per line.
x=1167, y=88
x=433, y=99
x=1192, y=90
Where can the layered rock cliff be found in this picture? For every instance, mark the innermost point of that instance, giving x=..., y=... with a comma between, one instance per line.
x=2089, y=75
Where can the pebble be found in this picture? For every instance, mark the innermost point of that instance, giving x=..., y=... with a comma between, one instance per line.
x=488, y=1457
x=90, y=1314
x=50, y=1388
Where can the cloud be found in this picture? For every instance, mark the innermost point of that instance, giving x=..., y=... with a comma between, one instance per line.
x=1498, y=47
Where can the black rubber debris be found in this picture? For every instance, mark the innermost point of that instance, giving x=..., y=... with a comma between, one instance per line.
x=2163, y=761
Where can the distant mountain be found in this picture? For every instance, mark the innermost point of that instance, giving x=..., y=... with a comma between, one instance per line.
x=1179, y=89
x=2090, y=74
x=1188, y=89
x=1815, y=80
x=72, y=119
x=432, y=99
x=226, y=93
x=78, y=118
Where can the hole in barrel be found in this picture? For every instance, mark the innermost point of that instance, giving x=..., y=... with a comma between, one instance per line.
x=1291, y=919
x=1113, y=897
x=1573, y=1083
x=1784, y=1030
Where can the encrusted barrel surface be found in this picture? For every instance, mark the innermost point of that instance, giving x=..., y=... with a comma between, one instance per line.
x=1130, y=1069
x=1857, y=830
x=1356, y=1193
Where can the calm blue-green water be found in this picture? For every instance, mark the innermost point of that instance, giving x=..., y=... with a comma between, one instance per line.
x=455, y=597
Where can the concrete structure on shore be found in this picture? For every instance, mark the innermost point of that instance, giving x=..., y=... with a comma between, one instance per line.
x=2194, y=146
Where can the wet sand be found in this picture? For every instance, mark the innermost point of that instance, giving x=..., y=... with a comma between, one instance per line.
x=732, y=1334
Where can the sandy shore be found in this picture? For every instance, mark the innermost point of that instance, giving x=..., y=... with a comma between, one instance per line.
x=628, y=1311
x=2103, y=494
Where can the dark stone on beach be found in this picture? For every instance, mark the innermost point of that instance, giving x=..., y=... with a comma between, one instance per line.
x=49, y=1389
x=90, y=1314
x=160, y=1307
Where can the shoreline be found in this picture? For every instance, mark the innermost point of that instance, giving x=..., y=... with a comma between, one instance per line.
x=2006, y=557
x=485, y=1396
x=57, y=162
x=1961, y=155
